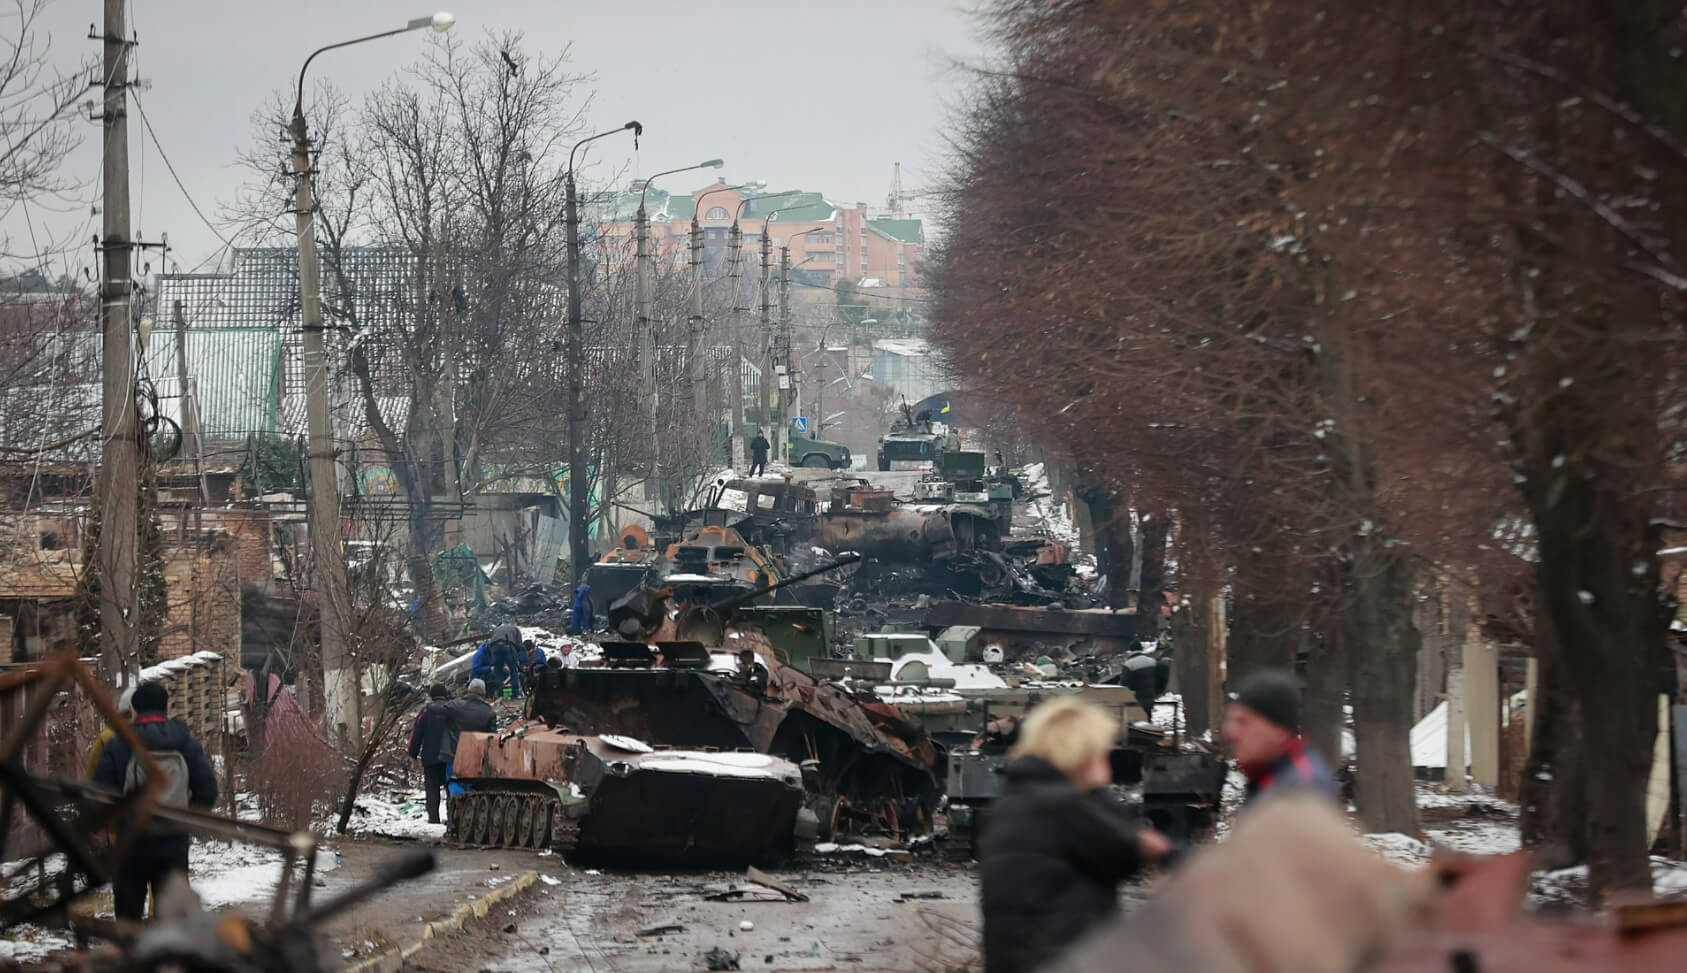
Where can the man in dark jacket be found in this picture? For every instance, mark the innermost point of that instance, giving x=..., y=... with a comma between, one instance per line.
x=468, y=713
x=1262, y=729
x=759, y=448
x=427, y=743
x=190, y=779
x=1056, y=843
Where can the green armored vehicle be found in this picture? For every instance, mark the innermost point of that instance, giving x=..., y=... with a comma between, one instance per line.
x=819, y=454
x=915, y=442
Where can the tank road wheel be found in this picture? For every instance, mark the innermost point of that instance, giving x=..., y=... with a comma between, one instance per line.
x=512, y=822
x=524, y=822
x=538, y=823
x=495, y=835
x=454, y=818
x=481, y=818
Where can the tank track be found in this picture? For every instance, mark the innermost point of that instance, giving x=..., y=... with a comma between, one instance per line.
x=494, y=819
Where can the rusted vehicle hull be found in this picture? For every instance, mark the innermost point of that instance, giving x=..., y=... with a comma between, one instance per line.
x=615, y=799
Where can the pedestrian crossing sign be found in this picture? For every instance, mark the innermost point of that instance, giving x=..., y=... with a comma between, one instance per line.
x=800, y=424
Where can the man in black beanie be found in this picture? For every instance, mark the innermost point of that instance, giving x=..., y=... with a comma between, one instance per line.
x=189, y=781
x=1262, y=728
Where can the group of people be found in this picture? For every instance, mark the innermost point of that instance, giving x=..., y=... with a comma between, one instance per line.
x=433, y=740
x=1057, y=845
x=505, y=660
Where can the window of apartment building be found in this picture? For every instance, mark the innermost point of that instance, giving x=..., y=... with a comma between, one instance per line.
x=901, y=258
x=716, y=213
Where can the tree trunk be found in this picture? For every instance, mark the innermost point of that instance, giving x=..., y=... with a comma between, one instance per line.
x=1326, y=690
x=1151, y=597
x=1264, y=634
x=1619, y=627
x=1384, y=665
x=1190, y=655
x=1554, y=798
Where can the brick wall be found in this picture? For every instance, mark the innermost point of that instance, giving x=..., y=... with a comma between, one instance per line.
x=204, y=599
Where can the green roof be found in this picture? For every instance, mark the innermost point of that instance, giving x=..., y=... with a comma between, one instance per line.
x=902, y=231
x=797, y=207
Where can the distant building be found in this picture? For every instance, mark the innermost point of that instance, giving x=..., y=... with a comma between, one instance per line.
x=829, y=242
x=908, y=367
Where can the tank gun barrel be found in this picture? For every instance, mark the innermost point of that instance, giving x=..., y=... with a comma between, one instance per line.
x=733, y=601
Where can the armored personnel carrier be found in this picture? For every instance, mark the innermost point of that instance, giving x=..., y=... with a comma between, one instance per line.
x=915, y=442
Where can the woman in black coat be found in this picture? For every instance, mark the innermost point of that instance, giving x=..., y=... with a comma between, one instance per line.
x=1056, y=844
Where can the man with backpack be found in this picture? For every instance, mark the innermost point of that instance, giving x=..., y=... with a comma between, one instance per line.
x=161, y=848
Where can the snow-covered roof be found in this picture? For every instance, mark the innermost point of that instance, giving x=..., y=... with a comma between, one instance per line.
x=909, y=347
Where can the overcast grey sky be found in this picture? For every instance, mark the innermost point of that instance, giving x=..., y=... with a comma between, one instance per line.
x=847, y=87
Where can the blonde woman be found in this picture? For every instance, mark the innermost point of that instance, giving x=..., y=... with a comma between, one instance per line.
x=1057, y=844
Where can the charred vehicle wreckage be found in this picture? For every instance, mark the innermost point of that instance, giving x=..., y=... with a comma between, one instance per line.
x=726, y=722
x=698, y=739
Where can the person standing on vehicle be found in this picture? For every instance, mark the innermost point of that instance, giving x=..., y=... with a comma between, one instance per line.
x=1057, y=843
x=427, y=744
x=190, y=781
x=1262, y=729
x=507, y=666
x=759, y=448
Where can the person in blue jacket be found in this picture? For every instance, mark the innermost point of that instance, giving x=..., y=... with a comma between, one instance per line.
x=480, y=667
x=580, y=619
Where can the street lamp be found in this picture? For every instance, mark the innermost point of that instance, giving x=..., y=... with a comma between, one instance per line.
x=341, y=688
x=699, y=391
x=781, y=347
x=579, y=495
x=646, y=324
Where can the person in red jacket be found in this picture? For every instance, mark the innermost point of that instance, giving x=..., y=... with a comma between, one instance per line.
x=1262, y=728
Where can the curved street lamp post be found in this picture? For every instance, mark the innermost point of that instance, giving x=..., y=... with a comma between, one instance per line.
x=647, y=323
x=342, y=687
x=579, y=490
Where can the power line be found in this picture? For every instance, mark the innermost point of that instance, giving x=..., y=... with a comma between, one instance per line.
x=147, y=122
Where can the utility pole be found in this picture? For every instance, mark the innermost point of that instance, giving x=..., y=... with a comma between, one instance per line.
x=735, y=367
x=782, y=343
x=697, y=352
x=766, y=336
x=192, y=440
x=115, y=557
x=341, y=689
x=643, y=300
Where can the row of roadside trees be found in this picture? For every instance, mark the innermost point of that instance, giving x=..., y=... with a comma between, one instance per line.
x=1382, y=303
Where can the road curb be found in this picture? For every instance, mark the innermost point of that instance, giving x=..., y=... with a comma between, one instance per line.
x=393, y=960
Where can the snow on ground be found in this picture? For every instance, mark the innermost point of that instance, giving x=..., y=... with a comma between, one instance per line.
x=552, y=643
x=1053, y=517
x=233, y=873
x=400, y=815
x=938, y=666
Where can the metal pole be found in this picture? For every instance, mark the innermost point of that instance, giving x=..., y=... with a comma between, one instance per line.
x=118, y=460
x=578, y=494
x=341, y=689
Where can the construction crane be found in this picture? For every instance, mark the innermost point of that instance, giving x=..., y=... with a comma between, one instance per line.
x=898, y=202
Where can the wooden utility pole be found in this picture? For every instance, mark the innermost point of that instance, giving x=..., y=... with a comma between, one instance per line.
x=115, y=487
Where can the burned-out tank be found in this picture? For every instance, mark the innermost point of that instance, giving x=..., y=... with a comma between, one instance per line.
x=617, y=798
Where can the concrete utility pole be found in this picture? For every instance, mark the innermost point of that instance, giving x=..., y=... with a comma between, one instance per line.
x=579, y=493
x=192, y=441
x=115, y=557
x=695, y=350
x=766, y=335
x=780, y=355
x=342, y=688
x=735, y=368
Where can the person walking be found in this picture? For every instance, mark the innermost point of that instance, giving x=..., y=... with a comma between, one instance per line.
x=1262, y=729
x=1057, y=843
x=161, y=849
x=580, y=614
x=470, y=713
x=759, y=447
x=427, y=743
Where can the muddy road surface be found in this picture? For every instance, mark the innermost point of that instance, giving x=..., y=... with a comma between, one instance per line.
x=895, y=917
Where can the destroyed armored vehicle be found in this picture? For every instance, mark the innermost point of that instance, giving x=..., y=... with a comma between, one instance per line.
x=1177, y=790
x=697, y=741
x=616, y=798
